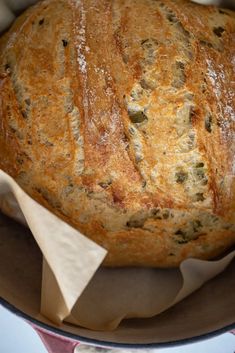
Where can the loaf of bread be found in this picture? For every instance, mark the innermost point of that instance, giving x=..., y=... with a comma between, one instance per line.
x=119, y=117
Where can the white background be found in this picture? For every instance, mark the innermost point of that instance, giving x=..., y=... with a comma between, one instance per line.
x=16, y=336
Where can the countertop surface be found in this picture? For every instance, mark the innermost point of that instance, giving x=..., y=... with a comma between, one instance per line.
x=16, y=336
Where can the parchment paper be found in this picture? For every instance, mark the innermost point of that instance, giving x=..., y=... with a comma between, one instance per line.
x=77, y=290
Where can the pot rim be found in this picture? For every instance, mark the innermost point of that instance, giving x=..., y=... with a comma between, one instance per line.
x=110, y=344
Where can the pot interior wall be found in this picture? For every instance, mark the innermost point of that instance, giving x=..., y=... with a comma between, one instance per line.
x=209, y=309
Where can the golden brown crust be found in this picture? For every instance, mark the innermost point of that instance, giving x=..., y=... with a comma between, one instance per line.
x=119, y=117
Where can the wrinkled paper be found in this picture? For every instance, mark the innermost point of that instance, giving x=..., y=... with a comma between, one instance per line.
x=77, y=290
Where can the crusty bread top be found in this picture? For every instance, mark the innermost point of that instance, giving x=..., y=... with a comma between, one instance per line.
x=119, y=117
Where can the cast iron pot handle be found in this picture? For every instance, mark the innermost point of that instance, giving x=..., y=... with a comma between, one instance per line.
x=55, y=343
